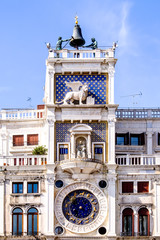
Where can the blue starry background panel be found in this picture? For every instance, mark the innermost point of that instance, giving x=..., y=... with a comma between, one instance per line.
x=97, y=86
x=98, y=132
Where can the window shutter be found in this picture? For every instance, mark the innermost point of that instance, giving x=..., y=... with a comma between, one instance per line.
x=158, y=138
x=142, y=139
x=18, y=140
x=126, y=139
x=32, y=139
x=127, y=187
x=116, y=138
x=143, y=187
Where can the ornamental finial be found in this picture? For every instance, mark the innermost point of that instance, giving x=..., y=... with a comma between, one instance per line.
x=76, y=18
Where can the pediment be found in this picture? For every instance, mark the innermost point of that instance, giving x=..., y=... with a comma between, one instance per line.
x=81, y=128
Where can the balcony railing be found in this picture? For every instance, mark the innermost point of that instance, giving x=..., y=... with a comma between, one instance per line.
x=134, y=160
x=23, y=160
x=137, y=113
x=21, y=114
x=124, y=160
x=97, y=53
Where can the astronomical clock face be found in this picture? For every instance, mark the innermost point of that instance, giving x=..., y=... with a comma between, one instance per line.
x=81, y=207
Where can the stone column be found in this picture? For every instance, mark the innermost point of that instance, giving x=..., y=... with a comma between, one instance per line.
x=111, y=141
x=149, y=142
x=50, y=205
x=112, y=205
x=25, y=223
x=89, y=146
x=135, y=230
x=111, y=72
x=150, y=220
x=51, y=138
x=72, y=145
x=2, y=207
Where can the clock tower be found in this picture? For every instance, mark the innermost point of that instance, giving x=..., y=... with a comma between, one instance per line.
x=81, y=177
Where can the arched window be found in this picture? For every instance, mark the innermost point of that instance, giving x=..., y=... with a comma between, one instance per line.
x=128, y=222
x=32, y=221
x=17, y=221
x=143, y=216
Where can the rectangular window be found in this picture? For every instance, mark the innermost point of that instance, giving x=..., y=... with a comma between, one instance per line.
x=17, y=187
x=137, y=139
x=32, y=187
x=63, y=152
x=143, y=187
x=122, y=138
x=98, y=151
x=18, y=140
x=127, y=187
x=32, y=139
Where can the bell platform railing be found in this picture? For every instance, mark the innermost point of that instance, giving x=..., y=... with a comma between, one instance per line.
x=21, y=114
x=97, y=53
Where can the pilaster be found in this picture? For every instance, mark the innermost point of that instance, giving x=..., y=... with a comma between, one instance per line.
x=112, y=204
x=51, y=136
x=2, y=207
x=50, y=205
x=111, y=72
x=149, y=142
x=111, y=141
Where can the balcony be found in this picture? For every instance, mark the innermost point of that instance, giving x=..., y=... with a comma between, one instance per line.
x=137, y=160
x=83, y=166
x=22, y=114
x=23, y=160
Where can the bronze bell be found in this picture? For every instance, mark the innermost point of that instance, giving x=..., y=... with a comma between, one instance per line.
x=77, y=40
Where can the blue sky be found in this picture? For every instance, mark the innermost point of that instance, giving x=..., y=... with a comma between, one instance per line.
x=25, y=26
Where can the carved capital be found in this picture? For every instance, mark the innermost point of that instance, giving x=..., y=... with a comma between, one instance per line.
x=51, y=73
x=2, y=181
x=51, y=120
x=4, y=136
x=111, y=69
x=51, y=179
x=111, y=122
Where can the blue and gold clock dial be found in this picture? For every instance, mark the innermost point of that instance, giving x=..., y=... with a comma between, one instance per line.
x=80, y=207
